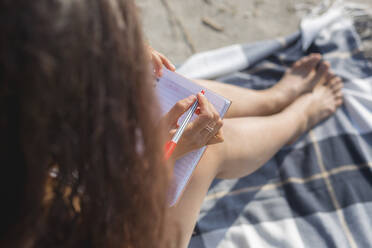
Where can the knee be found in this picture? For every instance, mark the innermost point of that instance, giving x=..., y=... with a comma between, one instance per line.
x=211, y=161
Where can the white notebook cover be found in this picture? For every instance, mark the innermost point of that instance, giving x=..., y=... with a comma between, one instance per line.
x=171, y=88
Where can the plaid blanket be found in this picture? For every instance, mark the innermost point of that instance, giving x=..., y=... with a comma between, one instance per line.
x=316, y=192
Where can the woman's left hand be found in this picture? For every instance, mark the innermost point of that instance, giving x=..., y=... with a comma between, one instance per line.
x=158, y=60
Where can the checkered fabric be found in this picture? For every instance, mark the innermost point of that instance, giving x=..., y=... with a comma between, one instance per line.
x=316, y=192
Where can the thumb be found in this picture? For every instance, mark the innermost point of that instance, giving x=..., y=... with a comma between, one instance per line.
x=179, y=109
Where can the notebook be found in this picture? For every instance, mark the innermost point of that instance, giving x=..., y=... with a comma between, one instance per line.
x=170, y=89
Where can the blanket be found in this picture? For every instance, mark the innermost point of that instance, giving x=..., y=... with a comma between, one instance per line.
x=318, y=191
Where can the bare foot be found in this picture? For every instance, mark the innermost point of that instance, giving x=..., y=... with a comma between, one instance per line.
x=301, y=78
x=321, y=103
x=325, y=99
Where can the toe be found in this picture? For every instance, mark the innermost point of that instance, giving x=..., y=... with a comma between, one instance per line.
x=333, y=82
x=339, y=102
x=316, y=55
x=338, y=94
x=305, y=59
x=306, y=64
x=316, y=58
x=322, y=73
x=314, y=61
x=330, y=78
x=301, y=61
x=338, y=87
x=328, y=65
x=298, y=63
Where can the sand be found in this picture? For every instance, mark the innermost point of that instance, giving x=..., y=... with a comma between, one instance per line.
x=181, y=28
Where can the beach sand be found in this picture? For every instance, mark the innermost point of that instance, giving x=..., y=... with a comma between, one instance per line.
x=181, y=28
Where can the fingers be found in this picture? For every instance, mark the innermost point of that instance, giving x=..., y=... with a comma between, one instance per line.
x=203, y=101
x=204, y=130
x=208, y=123
x=166, y=62
x=205, y=114
x=218, y=138
x=158, y=60
x=157, y=63
x=177, y=110
x=212, y=135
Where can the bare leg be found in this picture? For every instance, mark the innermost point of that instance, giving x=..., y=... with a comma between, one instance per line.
x=299, y=79
x=249, y=143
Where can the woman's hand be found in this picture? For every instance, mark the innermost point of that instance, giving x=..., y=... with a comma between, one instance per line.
x=204, y=130
x=158, y=60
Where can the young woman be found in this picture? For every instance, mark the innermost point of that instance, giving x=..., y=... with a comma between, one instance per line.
x=81, y=138
x=82, y=164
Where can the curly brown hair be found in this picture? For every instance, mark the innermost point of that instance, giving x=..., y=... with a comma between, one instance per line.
x=81, y=162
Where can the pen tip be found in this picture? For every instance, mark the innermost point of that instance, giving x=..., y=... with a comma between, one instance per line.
x=203, y=92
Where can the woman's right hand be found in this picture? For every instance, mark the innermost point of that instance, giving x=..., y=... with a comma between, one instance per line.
x=204, y=130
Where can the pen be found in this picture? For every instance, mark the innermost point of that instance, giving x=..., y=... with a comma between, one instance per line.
x=171, y=145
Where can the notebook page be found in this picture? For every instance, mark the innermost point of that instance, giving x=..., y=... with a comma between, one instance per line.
x=170, y=89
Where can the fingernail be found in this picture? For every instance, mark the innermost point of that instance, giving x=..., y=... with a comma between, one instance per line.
x=201, y=95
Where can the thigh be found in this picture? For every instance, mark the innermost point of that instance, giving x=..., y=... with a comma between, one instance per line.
x=183, y=216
